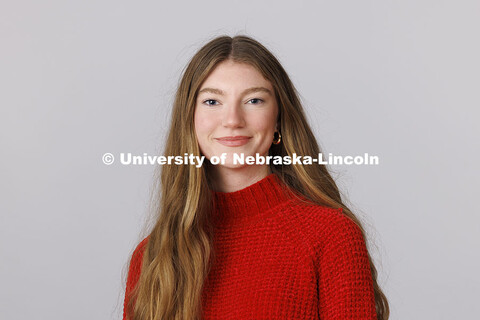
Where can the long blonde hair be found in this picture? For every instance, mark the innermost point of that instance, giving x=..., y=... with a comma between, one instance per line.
x=178, y=252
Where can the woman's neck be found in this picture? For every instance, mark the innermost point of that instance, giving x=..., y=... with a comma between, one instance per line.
x=246, y=205
x=226, y=179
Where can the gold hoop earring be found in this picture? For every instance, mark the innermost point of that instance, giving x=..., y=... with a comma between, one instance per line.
x=278, y=139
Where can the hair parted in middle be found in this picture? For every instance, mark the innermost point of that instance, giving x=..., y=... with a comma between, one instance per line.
x=177, y=257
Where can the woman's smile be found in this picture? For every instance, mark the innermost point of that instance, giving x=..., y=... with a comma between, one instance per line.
x=235, y=141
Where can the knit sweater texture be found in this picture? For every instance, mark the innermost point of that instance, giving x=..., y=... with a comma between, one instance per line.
x=280, y=257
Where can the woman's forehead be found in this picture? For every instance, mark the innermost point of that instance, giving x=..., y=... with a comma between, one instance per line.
x=235, y=76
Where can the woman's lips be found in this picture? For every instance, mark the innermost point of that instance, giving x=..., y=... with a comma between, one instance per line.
x=233, y=141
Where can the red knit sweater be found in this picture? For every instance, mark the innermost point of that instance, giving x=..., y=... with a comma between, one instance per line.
x=280, y=258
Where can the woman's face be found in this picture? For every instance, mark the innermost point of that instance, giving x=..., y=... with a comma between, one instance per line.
x=236, y=112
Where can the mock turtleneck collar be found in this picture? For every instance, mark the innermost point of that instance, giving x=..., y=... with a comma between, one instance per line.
x=252, y=201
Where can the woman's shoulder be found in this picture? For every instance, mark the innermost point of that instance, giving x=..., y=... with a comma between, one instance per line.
x=136, y=260
x=321, y=226
x=140, y=249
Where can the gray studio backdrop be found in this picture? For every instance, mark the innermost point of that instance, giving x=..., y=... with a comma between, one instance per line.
x=397, y=79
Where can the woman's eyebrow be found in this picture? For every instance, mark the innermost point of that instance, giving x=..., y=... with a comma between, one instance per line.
x=246, y=91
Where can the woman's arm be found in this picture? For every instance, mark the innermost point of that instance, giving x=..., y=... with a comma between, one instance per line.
x=345, y=279
x=134, y=270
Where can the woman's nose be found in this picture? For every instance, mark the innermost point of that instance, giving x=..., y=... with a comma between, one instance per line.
x=233, y=116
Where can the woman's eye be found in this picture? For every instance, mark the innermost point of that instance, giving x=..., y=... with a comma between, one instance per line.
x=256, y=101
x=210, y=102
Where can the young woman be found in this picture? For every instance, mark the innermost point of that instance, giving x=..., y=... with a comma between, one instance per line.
x=248, y=241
